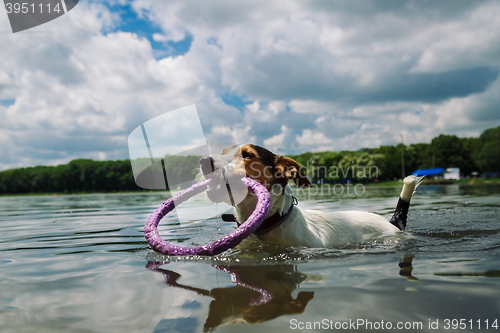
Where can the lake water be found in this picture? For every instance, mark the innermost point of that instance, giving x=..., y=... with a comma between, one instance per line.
x=79, y=263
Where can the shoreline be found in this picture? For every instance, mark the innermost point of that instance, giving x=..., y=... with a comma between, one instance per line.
x=462, y=182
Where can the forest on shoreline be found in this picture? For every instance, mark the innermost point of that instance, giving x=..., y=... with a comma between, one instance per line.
x=470, y=155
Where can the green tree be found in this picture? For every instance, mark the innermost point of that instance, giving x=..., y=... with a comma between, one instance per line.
x=449, y=151
x=487, y=152
x=390, y=165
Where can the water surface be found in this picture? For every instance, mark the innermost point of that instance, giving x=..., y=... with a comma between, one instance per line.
x=79, y=263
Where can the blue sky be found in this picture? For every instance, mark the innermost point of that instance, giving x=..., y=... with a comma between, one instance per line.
x=295, y=76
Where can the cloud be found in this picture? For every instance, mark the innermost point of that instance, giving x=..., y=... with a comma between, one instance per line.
x=346, y=54
x=285, y=138
x=305, y=75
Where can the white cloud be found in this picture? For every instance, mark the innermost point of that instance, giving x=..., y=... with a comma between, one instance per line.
x=471, y=41
x=311, y=140
x=286, y=138
x=318, y=76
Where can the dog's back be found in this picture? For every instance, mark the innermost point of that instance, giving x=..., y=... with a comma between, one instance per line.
x=314, y=228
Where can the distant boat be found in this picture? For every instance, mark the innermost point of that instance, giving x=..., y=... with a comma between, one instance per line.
x=440, y=175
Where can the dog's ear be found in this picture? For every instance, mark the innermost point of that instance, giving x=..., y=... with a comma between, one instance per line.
x=287, y=169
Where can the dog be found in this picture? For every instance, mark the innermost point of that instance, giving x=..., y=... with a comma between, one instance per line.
x=285, y=224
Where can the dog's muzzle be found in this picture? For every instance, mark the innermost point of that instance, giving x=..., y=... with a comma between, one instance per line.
x=223, y=185
x=207, y=165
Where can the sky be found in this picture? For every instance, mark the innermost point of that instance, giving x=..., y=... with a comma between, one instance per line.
x=292, y=76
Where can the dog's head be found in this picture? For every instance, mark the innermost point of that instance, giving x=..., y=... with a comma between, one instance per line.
x=251, y=161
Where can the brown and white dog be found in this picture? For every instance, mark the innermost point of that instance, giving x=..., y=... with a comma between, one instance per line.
x=285, y=223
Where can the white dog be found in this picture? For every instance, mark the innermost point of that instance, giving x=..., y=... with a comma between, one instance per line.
x=285, y=223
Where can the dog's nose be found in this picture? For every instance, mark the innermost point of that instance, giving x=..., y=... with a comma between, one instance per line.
x=207, y=165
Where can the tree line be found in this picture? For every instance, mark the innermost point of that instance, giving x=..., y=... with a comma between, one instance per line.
x=471, y=155
x=81, y=175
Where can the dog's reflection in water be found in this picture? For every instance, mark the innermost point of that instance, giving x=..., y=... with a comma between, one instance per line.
x=261, y=293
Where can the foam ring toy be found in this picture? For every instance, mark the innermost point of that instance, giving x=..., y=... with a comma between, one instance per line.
x=230, y=240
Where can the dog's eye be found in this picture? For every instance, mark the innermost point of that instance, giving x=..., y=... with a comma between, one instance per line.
x=246, y=155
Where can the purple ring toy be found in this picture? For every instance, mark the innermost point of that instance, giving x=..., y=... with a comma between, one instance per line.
x=230, y=240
